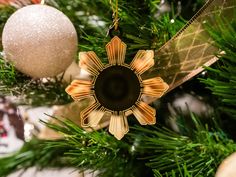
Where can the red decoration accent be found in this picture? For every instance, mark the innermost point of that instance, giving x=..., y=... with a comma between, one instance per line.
x=8, y=2
x=36, y=1
x=4, y=2
x=3, y=131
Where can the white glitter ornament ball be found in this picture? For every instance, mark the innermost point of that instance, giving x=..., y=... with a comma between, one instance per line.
x=228, y=167
x=40, y=41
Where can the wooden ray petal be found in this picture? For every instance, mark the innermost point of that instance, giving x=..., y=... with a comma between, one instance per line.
x=145, y=114
x=80, y=89
x=89, y=112
x=118, y=126
x=143, y=60
x=90, y=62
x=154, y=87
x=116, y=50
x=184, y=56
x=94, y=117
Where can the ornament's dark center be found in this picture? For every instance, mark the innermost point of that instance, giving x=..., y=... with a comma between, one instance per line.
x=117, y=88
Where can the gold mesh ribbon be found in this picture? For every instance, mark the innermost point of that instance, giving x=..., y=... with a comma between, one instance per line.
x=183, y=56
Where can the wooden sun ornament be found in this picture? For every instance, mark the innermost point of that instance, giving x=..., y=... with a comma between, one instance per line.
x=117, y=88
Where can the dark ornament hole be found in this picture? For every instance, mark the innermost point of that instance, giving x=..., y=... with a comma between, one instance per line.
x=117, y=88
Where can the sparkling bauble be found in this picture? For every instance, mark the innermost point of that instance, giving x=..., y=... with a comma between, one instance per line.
x=40, y=41
x=228, y=167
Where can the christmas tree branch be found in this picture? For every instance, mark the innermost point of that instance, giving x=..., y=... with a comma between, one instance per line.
x=31, y=91
x=168, y=153
x=95, y=150
x=79, y=149
x=33, y=153
x=222, y=78
x=172, y=153
x=181, y=172
x=4, y=14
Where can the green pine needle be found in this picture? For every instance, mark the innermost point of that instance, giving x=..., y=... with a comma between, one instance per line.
x=164, y=151
x=34, y=153
x=30, y=91
x=170, y=152
x=222, y=79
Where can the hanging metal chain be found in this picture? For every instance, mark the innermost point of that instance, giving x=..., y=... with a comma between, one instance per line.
x=114, y=29
x=115, y=15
